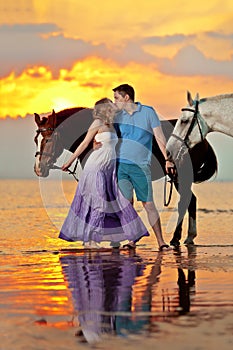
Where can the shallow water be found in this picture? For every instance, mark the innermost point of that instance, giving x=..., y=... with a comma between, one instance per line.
x=53, y=292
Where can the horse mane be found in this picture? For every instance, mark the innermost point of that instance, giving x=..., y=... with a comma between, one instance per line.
x=217, y=97
x=66, y=113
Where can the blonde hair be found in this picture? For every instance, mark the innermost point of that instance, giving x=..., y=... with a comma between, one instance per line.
x=103, y=110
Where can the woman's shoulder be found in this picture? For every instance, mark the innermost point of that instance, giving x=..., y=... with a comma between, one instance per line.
x=104, y=128
x=97, y=124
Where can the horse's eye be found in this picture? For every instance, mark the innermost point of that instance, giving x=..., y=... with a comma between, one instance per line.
x=184, y=121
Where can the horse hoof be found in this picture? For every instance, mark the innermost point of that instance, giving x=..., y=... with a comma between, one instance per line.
x=189, y=241
x=175, y=243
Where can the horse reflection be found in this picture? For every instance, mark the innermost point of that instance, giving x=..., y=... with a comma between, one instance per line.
x=102, y=288
x=186, y=284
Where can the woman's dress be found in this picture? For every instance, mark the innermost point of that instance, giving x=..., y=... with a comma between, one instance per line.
x=99, y=211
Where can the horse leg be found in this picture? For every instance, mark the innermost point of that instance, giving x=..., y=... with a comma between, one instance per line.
x=175, y=241
x=184, y=204
x=184, y=297
x=192, y=227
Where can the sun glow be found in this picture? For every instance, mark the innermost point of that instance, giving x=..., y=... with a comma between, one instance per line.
x=60, y=103
x=51, y=63
x=94, y=78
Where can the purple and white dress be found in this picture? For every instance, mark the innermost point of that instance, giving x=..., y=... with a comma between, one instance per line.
x=99, y=211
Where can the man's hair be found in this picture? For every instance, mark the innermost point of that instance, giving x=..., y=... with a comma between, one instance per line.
x=125, y=89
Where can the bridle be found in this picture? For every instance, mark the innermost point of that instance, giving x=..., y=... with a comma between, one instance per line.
x=195, y=119
x=54, y=137
x=184, y=142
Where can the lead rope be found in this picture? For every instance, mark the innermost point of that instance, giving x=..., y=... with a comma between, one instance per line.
x=72, y=172
x=166, y=180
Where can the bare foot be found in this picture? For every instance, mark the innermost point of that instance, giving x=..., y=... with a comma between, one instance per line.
x=91, y=245
x=130, y=245
x=165, y=248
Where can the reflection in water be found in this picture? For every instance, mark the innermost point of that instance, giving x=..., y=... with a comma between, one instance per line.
x=186, y=285
x=102, y=288
x=113, y=293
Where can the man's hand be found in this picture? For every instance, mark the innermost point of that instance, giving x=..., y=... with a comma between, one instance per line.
x=96, y=145
x=170, y=168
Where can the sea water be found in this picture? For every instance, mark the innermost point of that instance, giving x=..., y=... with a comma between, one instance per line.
x=55, y=295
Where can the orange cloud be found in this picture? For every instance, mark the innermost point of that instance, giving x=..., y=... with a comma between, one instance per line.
x=36, y=90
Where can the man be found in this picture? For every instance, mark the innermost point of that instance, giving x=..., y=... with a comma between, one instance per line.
x=135, y=125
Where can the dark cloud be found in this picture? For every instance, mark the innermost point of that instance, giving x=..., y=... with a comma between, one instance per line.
x=43, y=44
x=216, y=35
x=27, y=45
x=29, y=28
x=167, y=39
x=132, y=52
x=191, y=61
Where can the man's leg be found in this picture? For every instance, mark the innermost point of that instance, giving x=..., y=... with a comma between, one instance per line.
x=124, y=182
x=154, y=220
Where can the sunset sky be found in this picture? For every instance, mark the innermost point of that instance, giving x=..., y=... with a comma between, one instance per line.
x=65, y=53
x=57, y=54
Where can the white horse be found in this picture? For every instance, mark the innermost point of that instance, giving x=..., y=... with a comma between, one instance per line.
x=197, y=120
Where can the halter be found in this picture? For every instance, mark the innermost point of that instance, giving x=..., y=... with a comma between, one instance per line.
x=55, y=167
x=40, y=130
x=194, y=120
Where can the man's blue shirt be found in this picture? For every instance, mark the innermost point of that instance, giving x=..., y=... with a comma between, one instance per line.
x=135, y=134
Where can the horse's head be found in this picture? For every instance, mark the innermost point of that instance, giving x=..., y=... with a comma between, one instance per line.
x=48, y=144
x=189, y=130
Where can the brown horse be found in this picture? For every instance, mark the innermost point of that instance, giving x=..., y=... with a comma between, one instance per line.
x=67, y=128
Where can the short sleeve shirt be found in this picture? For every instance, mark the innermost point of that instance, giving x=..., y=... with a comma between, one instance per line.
x=135, y=133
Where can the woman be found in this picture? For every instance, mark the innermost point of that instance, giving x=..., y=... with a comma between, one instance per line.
x=99, y=212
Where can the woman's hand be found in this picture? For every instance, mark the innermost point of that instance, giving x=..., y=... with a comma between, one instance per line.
x=66, y=166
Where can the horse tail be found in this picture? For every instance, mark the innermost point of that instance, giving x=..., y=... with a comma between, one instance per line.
x=208, y=168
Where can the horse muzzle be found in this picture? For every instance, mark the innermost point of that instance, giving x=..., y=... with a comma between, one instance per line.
x=41, y=171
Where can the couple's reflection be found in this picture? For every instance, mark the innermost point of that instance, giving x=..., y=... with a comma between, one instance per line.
x=102, y=290
x=113, y=293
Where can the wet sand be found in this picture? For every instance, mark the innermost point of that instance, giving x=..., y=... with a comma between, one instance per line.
x=205, y=334
x=194, y=316
x=132, y=300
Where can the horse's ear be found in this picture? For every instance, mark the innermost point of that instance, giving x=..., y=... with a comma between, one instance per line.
x=54, y=119
x=189, y=98
x=37, y=118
